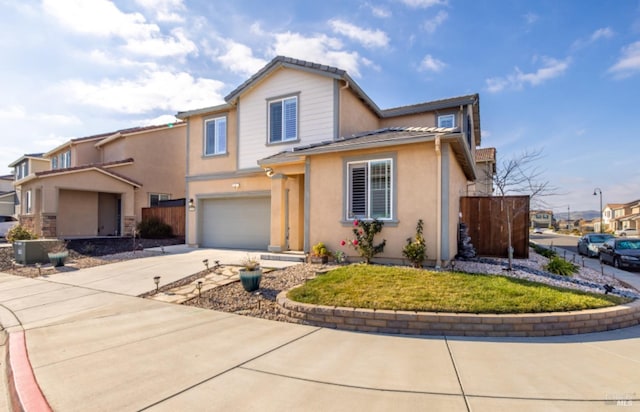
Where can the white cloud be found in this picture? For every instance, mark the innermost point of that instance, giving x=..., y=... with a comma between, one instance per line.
x=239, y=59
x=551, y=68
x=178, y=45
x=603, y=33
x=165, y=10
x=106, y=59
x=158, y=120
x=368, y=38
x=154, y=90
x=430, y=63
x=530, y=18
x=629, y=62
x=17, y=112
x=379, y=12
x=99, y=18
x=13, y=113
x=103, y=19
x=424, y=3
x=432, y=24
x=319, y=48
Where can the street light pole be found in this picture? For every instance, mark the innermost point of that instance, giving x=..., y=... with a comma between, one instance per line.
x=568, y=217
x=595, y=192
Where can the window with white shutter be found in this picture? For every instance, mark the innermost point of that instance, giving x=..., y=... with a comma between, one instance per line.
x=283, y=120
x=370, y=189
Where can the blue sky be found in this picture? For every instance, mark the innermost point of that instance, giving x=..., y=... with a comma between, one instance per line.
x=562, y=76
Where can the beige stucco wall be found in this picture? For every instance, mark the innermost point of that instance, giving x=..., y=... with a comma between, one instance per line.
x=413, y=120
x=200, y=164
x=416, y=199
x=315, y=113
x=77, y=213
x=159, y=162
x=355, y=116
x=83, y=152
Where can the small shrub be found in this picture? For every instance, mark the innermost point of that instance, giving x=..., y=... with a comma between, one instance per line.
x=320, y=250
x=548, y=253
x=561, y=267
x=415, y=250
x=154, y=228
x=19, y=232
x=363, y=241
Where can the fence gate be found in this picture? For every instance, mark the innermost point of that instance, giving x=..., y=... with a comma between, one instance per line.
x=174, y=216
x=486, y=218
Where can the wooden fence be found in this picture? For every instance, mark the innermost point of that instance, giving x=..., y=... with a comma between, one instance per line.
x=486, y=218
x=174, y=216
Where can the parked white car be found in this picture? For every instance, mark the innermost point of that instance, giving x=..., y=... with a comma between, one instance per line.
x=626, y=232
x=6, y=223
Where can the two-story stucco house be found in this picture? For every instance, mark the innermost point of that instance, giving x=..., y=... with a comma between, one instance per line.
x=7, y=196
x=299, y=151
x=97, y=185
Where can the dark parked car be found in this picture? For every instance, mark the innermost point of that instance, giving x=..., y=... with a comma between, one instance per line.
x=621, y=252
x=590, y=243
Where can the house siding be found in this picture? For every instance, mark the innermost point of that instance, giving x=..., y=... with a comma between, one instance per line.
x=315, y=113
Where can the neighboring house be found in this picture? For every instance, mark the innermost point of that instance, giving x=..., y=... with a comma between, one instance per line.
x=625, y=216
x=98, y=185
x=486, y=170
x=541, y=218
x=7, y=196
x=26, y=166
x=298, y=152
x=607, y=216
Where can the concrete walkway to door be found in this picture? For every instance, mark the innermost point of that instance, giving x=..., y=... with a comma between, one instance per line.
x=92, y=347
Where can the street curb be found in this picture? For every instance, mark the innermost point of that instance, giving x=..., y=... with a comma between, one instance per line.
x=24, y=391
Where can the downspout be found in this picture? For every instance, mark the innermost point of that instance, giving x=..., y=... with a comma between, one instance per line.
x=438, y=203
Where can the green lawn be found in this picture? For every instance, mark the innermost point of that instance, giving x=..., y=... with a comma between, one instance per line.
x=402, y=288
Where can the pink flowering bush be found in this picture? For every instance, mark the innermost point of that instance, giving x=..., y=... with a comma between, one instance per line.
x=363, y=240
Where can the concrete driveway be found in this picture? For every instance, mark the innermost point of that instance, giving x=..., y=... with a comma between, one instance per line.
x=102, y=350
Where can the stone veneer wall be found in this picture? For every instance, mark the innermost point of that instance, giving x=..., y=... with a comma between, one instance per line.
x=453, y=324
x=129, y=225
x=49, y=227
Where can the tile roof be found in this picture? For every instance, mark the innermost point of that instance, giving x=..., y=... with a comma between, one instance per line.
x=391, y=135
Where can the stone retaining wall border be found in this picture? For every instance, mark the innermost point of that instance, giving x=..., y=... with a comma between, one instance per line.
x=461, y=324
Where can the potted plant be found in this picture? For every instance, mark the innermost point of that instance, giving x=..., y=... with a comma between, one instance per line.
x=320, y=253
x=58, y=254
x=250, y=274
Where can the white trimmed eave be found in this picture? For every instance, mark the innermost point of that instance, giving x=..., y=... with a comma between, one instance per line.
x=97, y=169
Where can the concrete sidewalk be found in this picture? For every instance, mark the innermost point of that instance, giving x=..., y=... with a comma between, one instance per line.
x=104, y=351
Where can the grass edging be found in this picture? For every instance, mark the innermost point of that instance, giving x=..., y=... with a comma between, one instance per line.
x=461, y=324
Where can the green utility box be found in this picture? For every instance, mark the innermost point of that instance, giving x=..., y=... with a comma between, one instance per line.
x=28, y=252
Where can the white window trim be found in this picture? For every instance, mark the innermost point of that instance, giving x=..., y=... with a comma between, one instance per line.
x=347, y=195
x=216, y=138
x=446, y=117
x=28, y=202
x=283, y=131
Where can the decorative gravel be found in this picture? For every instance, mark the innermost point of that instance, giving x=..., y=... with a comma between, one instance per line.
x=262, y=303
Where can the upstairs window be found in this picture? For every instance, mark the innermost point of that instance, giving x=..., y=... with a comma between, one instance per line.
x=215, y=136
x=283, y=120
x=370, y=189
x=65, y=160
x=54, y=162
x=22, y=170
x=156, y=198
x=447, y=120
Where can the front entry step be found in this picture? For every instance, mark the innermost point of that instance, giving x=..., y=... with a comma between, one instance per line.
x=287, y=257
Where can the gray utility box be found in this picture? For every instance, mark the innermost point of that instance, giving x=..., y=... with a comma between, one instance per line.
x=28, y=252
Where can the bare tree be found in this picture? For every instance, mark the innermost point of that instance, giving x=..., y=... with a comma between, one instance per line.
x=520, y=175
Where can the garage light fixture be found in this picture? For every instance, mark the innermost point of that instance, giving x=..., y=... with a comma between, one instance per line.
x=192, y=205
x=236, y=186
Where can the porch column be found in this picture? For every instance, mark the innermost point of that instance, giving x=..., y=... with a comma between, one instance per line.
x=278, y=224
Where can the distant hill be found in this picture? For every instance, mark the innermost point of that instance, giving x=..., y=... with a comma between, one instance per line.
x=579, y=214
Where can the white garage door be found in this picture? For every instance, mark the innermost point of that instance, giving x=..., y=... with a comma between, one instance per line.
x=240, y=223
